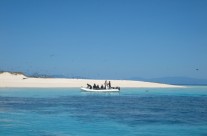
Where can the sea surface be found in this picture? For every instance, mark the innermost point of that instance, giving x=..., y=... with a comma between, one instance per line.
x=132, y=112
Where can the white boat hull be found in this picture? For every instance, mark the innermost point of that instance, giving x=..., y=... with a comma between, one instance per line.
x=100, y=90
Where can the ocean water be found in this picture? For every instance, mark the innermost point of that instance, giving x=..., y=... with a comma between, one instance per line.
x=132, y=112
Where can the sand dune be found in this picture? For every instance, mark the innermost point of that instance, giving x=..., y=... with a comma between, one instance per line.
x=8, y=79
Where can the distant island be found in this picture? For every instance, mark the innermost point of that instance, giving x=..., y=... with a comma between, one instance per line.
x=174, y=80
x=18, y=79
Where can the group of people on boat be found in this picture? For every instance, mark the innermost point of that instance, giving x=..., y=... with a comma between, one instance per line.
x=107, y=85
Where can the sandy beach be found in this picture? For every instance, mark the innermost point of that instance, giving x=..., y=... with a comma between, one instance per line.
x=19, y=80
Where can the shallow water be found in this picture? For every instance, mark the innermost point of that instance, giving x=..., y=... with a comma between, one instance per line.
x=132, y=112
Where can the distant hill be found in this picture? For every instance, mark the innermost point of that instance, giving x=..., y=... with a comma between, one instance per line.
x=175, y=80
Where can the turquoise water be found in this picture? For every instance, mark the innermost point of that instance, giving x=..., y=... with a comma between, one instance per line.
x=132, y=112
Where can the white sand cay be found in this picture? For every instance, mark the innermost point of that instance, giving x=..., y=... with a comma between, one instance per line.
x=19, y=80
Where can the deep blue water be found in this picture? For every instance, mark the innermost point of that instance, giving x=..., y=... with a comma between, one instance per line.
x=132, y=112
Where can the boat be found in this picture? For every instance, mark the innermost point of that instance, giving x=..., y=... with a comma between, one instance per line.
x=100, y=90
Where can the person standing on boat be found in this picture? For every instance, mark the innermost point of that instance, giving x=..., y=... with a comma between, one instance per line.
x=109, y=85
x=105, y=84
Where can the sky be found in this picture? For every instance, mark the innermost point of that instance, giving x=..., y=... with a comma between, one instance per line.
x=104, y=38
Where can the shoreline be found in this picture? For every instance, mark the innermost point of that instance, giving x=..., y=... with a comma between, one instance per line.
x=10, y=80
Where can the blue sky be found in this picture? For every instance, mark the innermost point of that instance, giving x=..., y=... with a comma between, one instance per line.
x=105, y=38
